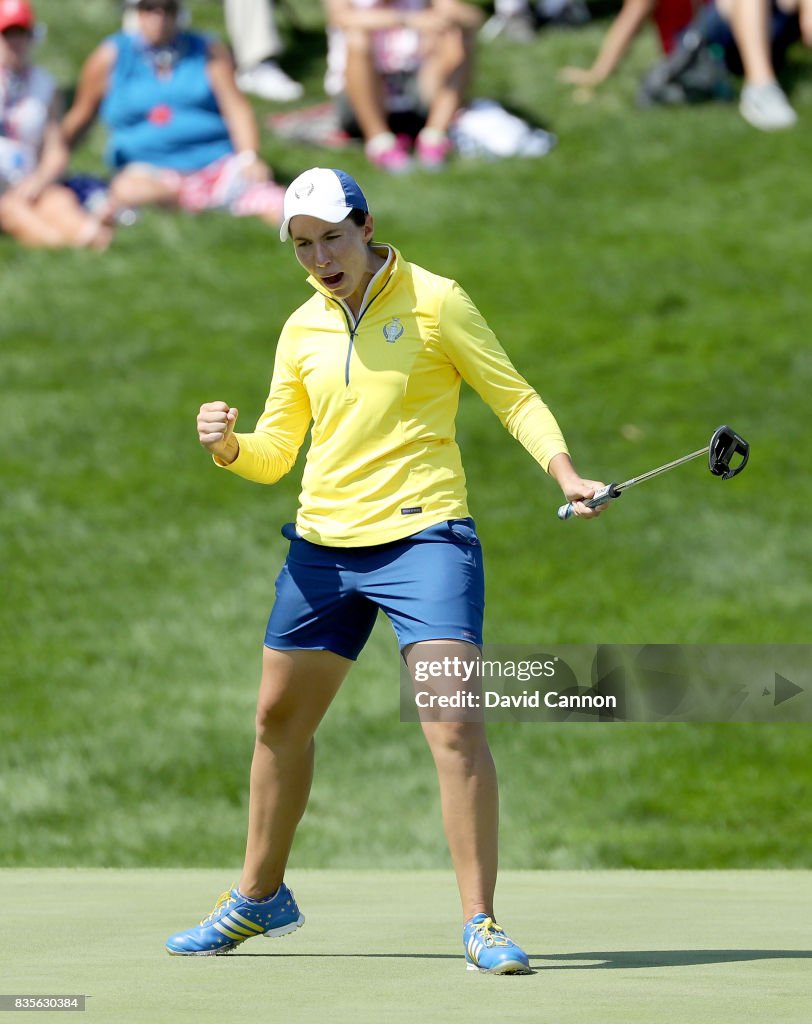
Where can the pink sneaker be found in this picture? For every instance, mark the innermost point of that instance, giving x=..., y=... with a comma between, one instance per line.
x=389, y=153
x=433, y=149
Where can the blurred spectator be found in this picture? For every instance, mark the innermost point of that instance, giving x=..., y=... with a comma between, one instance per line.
x=180, y=132
x=34, y=208
x=741, y=29
x=519, y=20
x=670, y=16
x=713, y=44
x=400, y=68
x=256, y=44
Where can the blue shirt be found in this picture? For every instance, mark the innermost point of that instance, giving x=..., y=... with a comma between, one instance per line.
x=166, y=118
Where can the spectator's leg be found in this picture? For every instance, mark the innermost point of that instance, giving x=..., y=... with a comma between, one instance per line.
x=365, y=92
x=54, y=221
x=59, y=207
x=762, y=103
x=264, y=200
x=749, y=21
x=136, y=186
x=364, y=85
x=444, y=80
x=256, y=44
x=445, y=75
x=22, y=221
x=252, y=31
x=512, y=19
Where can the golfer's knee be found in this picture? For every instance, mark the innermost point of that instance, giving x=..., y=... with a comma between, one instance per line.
x=279, y=727
x=461, y=742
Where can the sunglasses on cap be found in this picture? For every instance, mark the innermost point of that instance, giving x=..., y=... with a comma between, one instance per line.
x=169, y=7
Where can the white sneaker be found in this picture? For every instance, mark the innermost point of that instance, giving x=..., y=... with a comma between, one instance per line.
x=517, y=28
x=268, y=81
x=766, y=107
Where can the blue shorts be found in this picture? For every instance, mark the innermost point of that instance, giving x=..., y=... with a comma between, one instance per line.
x=430, y=585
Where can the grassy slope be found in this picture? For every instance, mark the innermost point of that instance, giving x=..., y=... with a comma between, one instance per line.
x=651, y=273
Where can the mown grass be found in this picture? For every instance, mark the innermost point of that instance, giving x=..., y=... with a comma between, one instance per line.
x=650, y=278
x=619, y=947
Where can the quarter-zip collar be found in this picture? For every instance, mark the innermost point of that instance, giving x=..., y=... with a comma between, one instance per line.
x=374, y=288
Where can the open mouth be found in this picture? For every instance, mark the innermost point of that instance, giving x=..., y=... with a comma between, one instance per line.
x=333, y=281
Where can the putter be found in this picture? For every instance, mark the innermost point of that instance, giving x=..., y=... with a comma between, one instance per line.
x=724, y=445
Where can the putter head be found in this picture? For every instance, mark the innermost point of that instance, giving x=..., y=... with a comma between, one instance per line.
x=724, y=445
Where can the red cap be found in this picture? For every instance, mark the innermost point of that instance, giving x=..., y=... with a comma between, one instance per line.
x=16, y=14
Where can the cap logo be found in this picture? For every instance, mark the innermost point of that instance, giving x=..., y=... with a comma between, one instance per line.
x=393, y=330
x=303, y=191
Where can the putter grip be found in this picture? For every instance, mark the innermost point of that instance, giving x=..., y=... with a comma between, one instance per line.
x=600, y=498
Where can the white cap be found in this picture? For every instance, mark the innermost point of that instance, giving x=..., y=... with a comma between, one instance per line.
x=324, y=193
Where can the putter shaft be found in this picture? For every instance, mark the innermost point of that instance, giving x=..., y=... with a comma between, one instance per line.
x=660, y=469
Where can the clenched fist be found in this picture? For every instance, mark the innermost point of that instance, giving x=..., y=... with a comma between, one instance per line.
x=215, y=428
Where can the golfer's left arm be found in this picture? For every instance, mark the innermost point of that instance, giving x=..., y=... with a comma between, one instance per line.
x=485, y=366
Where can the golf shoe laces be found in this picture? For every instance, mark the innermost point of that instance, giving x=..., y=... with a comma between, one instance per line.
x=491, y=933
x=224, y=900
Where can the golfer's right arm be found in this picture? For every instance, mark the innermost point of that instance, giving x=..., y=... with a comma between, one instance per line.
x=215, y=428
x=266, y=454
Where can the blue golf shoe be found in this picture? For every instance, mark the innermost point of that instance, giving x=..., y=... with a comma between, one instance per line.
x=234, y=919
x=488, y=949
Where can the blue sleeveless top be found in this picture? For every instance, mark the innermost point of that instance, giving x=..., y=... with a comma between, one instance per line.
x=170, y=120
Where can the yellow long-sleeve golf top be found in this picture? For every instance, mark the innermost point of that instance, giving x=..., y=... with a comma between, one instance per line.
x=382, y=393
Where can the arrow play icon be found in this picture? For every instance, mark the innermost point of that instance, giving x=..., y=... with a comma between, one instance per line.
x=784, y=689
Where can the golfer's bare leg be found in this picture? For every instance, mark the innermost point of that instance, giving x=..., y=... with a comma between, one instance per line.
x=296, y=690
x=469, y=794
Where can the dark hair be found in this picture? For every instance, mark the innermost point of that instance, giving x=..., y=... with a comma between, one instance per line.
x=358, y=217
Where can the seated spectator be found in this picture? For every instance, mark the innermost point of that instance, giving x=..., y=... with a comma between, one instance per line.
x=762, y=103
x=400, y=69
x=34, y=207
x=712, y=45
x=256, y=44
x=180, y=132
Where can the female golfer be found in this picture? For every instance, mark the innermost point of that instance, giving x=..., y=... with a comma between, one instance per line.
x=374, y=361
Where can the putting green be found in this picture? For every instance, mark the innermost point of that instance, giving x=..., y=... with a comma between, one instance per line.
x=713, y=947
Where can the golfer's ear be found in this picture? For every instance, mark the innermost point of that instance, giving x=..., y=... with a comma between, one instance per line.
x=369, y=228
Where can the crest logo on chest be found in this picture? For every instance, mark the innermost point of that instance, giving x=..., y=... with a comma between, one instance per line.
x=393, y=330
